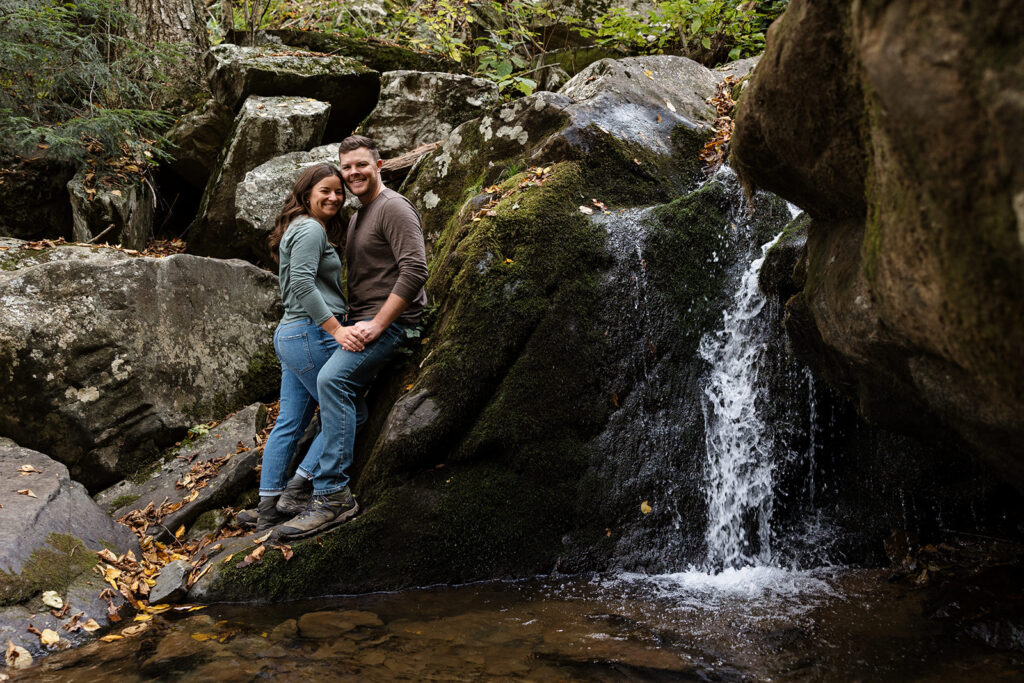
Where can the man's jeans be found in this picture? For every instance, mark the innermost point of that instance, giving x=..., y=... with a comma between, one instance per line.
x=303, y=349
x=341, y=384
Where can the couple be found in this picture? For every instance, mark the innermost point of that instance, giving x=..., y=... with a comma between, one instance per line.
x=331, y=349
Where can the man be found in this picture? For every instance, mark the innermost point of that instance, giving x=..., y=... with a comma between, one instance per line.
x=387, y=268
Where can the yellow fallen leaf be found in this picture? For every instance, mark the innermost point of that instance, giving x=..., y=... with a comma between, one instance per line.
x=203, y=636
x=49, y=637
x=17, y=657
x=109, y=638
x=27, y=492
x=52, y=599
x=649, y=74
x=110, y=575
x=509, y=261
x=180, y=532
x=142, y=616
x=645, y=508
x=91, y=626
x=134, y=630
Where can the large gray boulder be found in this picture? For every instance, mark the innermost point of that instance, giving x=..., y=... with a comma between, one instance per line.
x=909, y=161
x=196, y=141
x=639, y=122
x=106, y=359
x=48, y=542
x=418, y=107
x=267, y=127
x=214, y=467
x=260, y=195
x=112, y=215
x=235, y=73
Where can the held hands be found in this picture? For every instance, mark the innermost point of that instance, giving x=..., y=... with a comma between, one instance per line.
x=368, y=330
x=356, y=337
x=349, y=338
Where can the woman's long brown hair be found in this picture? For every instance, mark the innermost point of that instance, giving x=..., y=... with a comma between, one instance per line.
x=297, y=204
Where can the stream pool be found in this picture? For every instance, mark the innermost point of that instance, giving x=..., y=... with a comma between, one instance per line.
x=757, y=624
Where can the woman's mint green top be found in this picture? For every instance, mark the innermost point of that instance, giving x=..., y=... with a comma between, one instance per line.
x=310, y=273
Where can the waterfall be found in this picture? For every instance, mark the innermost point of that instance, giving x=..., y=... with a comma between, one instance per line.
x=740, y=454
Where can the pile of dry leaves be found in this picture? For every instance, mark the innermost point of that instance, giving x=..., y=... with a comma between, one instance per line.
x=717, y=148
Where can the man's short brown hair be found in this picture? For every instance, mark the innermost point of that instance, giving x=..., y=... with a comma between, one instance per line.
x=354, y=142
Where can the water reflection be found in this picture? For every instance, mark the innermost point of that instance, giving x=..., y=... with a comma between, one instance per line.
x=754, y=624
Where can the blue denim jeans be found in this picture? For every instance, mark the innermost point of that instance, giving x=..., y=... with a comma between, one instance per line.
x=341, y=384
x=303, y=349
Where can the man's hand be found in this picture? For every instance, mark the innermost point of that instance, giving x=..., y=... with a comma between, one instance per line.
x=368, y=330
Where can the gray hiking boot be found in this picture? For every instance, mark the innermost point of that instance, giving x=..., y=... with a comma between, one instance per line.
x=295, y=496
x=323, y=513
x=263, y=517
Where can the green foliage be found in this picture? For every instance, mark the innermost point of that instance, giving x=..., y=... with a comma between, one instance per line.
x=711, y=31
x=73, y=81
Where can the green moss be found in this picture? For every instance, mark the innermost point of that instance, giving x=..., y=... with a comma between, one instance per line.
x=122, y=501
x=11, y=259
x=380, y=56
x=51, y=567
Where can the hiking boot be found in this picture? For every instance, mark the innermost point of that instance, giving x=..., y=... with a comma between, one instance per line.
x=295, y=496
x=263, y=517
x=323, y=513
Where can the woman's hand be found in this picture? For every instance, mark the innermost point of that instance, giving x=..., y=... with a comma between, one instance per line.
x=348, y=338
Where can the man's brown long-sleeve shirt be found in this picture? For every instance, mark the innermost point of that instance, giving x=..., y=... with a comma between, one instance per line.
x=384, y=254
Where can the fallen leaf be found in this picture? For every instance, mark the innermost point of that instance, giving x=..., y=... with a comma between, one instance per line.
x=659, y=118
x=27, y=492
x=111, y=638
x=17, y=657
x=42, y=145
x=49, y=637
x=116, y=193
x=649, y=74
x=134, y=630
x=91, y=626
x=180, y=533
x=263, y=538
x=107, y=556
x=645, y=507
x=142, y=616
x=110, y=575
x=28, y=469
x=52, y=599
x=586, y=209
x=203, y=636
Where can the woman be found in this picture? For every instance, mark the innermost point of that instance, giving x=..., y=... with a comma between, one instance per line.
x=309, y=333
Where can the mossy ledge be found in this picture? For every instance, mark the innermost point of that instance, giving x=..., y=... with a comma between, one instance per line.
x=51, y=567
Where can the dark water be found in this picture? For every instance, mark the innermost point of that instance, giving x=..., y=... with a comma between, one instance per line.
x=752, y=624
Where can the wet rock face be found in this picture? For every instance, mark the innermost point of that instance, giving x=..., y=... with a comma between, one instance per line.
x=106, y=359
x=418, y=107
x=48, y=541
x=122, y=215
x=266, y=128
x=909, y=160
x=350, y=88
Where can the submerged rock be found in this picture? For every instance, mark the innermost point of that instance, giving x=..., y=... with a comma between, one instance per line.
x=235, y=73
x=267, y=127
x=418, y=107
x=112, y=215
x=909, y=162
x=106, y=360
x=48, y=542
x=203, y=474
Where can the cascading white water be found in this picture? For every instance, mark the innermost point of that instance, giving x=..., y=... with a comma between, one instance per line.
x=740, y=493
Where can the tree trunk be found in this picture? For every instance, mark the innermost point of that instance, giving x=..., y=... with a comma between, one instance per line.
x=181, y=22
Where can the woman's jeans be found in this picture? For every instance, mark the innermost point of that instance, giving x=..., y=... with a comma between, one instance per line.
x=303, y=348
x=341, y=384
x=313, y=366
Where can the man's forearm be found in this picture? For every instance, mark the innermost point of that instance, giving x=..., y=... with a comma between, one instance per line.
x=388, y=313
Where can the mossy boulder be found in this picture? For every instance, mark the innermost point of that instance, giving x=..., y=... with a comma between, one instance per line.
x=373, y=54
x=908, y=160
x=48, y=541
x=106, y=359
